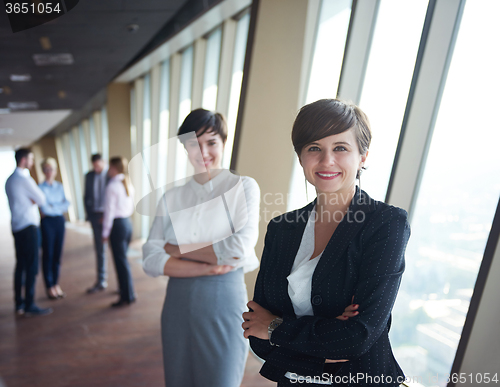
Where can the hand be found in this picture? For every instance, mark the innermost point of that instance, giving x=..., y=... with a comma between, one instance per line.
x=105, y=240
x=257, y=321
x=172, y=250
x=218, y=269
x=349, y=311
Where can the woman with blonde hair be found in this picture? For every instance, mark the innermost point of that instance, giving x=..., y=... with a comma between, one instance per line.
x=52, y=227
x=117, y=227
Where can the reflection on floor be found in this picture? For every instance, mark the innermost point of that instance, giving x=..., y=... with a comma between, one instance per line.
x=85, y=342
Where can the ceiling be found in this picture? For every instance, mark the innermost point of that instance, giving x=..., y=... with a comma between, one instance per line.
x=103, y=37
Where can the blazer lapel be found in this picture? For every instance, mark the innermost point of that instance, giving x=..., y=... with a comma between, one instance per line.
x=349, y=226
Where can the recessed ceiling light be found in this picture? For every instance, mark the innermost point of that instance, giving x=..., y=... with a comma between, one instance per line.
x=45, y=43
x=22, y=105
x=53, y=59
x=61, y=94
x=7, y=90
x=133, y=28
x=20, y=77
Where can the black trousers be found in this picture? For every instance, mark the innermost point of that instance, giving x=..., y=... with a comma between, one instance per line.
x=95, y=219
x=52, y=243
x=27, y=243
x=119, y=239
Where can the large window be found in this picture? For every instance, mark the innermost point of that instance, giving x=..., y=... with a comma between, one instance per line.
x=455, y=205
x=145, y=145
x=387, y=83
x=211, y=76
x=181, y=167
x=163, y=124
x=236, y=79
x=326, y=65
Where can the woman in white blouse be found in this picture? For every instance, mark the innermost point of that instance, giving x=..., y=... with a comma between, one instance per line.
x=118, y=207
x=203, y=238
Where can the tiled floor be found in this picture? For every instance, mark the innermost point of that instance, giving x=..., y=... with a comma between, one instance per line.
x=84, y=342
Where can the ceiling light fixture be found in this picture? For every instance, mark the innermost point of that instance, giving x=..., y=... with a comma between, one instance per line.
x=45, y=43
x=53, y=59
x=20, y=77
x=61, y=94
x=133, y=28
x=13, y=106
x=6, y=131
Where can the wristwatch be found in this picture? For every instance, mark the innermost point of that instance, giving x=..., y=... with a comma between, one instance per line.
x=272, y=326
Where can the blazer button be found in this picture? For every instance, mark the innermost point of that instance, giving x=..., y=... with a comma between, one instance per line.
x=317, y=300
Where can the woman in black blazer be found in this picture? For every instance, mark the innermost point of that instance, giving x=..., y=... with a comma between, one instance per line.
x=343, y=247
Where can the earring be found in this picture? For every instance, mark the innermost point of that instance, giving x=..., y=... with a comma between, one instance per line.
x=307, y=195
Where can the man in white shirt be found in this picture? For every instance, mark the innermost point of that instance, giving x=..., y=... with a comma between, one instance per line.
x=95, y=186
x=24, y=198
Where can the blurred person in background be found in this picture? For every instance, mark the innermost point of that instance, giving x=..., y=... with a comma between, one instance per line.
x=117, y=227
x=52, y=226
x=24, y=198
x=95, y=186
x=205, y=260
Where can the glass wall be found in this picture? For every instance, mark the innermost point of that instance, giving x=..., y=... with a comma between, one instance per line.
x=76, y=148
x=175, y=99
x=235, y=90
x=211, y=76
x=324, y=79
x=386, y=85
x=455, y=205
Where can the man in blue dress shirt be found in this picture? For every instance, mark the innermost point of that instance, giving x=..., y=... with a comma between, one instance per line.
x=24, y=198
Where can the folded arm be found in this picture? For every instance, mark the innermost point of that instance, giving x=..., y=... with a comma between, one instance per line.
x=379, y=278
x=232, y=250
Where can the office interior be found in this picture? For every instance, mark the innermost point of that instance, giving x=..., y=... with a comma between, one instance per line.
x=119, y=77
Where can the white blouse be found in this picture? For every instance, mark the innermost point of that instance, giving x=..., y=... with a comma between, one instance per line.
x=117, y=204
x=300, y=279
x=223, y=212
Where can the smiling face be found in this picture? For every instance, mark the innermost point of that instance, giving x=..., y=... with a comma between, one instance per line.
x=205, y=152
x=331, y=163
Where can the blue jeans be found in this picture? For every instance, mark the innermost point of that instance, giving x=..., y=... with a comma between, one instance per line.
x=27, y=243
x=52, y=243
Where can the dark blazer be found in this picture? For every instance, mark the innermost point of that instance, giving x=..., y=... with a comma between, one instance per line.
x=88, y=196
x=364, y=258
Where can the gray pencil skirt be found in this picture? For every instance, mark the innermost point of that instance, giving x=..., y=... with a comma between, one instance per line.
x=203, y=343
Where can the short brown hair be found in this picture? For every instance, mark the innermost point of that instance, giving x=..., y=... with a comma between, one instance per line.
x=204, y=120
x=327, y=117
